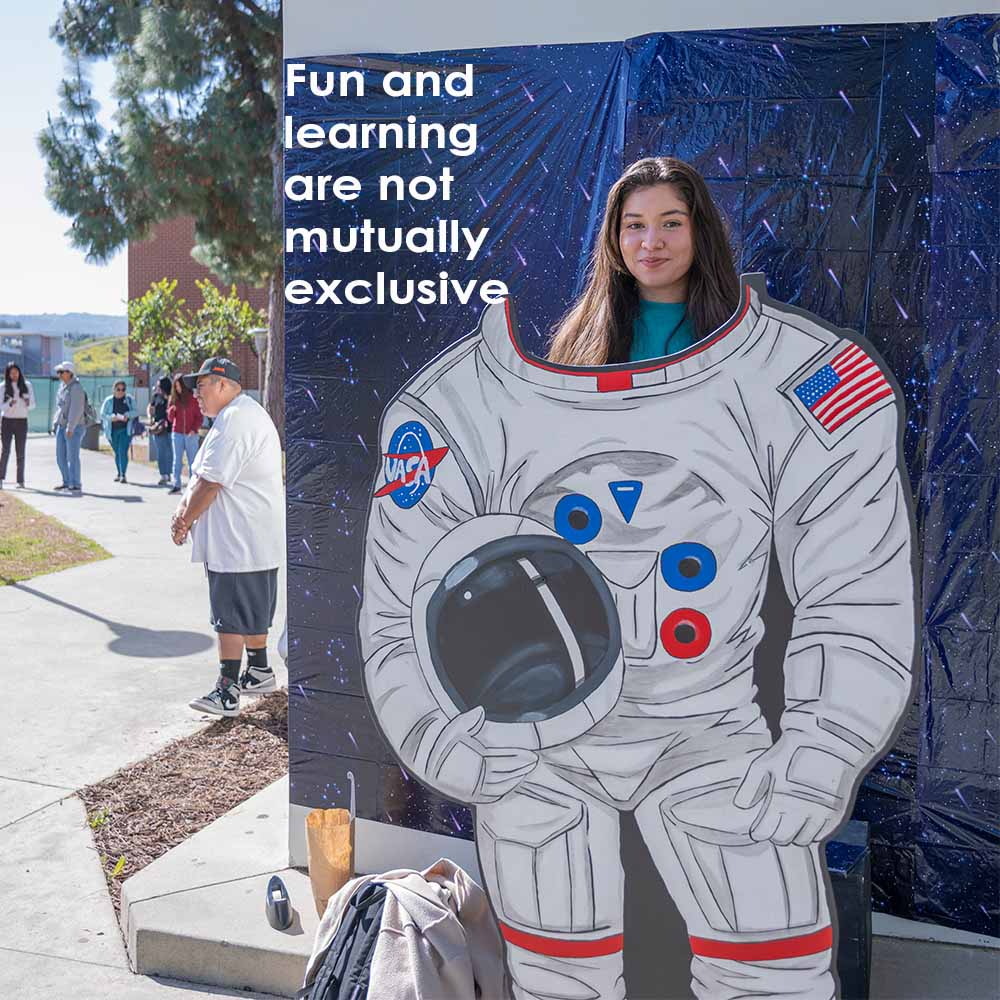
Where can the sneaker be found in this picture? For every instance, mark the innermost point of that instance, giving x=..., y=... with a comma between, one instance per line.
x=75, y=489
x=163, y=481
x=124, y=480
x=118, y=479
x=223, y=699
x=61, y=486
x=174, y=489
x=21, y=486
x=256, y=681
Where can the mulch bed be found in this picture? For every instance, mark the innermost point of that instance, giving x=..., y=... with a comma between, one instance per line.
x=145, y=809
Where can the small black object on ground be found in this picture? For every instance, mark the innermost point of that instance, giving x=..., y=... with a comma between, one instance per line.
x=278, y=905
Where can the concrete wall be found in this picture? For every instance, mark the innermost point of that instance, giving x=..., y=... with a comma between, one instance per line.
x=334, y=27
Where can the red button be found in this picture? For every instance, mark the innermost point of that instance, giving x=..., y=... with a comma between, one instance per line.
x=685, y=633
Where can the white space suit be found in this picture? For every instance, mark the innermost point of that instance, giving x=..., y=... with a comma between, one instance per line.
x=564, y=573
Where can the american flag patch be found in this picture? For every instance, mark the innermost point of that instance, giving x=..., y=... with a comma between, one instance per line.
x=844, y=387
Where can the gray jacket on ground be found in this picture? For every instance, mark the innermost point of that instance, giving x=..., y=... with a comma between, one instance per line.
x=69, y=405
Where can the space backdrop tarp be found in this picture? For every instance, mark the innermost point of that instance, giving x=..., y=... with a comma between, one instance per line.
x=859, y=168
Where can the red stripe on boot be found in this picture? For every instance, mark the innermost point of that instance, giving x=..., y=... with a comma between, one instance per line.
x=763, y=951
x=560, y=947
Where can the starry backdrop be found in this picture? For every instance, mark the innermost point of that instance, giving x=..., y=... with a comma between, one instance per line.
x=858, y=167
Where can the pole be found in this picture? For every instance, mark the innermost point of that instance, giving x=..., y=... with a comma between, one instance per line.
x=259, y=334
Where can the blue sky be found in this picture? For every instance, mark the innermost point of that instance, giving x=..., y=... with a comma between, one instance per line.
x=39, y=270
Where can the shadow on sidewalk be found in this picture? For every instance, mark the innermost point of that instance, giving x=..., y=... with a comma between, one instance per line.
x=132, y=640
x=84, y=493
x=110, y=496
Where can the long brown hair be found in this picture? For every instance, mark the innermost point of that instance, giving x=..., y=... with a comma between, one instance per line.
x=179, y=398
x=597, y=330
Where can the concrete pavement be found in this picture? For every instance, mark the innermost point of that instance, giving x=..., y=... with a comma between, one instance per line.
x=102, y=660
x=199, y=910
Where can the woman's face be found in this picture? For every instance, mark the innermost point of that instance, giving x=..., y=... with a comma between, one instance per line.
x=15, y=374
x=178, y=387
x=656, y=239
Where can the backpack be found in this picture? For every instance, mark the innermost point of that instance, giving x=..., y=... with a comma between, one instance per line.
x=89, y=413
x=346, y=969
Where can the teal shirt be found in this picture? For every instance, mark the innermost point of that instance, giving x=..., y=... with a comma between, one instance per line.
x=652, y=327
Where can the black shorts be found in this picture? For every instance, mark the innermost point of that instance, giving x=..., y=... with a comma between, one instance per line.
x=242, y=603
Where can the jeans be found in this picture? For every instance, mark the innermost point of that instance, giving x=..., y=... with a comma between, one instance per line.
x=16, y=428
x=184, y=444
x=120, y=441
x=164, y=453
x=68, y=454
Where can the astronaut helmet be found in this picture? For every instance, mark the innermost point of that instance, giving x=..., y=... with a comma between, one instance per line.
x=508, y=615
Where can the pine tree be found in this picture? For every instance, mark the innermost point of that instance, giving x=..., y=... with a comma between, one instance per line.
x=196, y=132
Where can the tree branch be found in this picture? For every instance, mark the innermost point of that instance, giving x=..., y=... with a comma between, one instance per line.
x=256, y=11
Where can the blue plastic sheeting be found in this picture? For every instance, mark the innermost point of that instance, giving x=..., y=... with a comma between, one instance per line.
x=859, y=168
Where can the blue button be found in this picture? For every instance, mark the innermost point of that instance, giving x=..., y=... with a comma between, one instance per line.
x=578, y=518
x=688, y=566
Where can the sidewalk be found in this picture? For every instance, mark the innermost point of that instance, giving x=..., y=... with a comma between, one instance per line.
x=109, y=655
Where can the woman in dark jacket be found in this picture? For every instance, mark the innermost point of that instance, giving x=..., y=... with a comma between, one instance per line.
x=159, y=428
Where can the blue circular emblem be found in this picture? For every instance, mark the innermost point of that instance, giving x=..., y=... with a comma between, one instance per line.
x=688, y=566
x=577, y=518
x=409, y=464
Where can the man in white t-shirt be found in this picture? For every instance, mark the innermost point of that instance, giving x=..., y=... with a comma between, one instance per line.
x=234, y=512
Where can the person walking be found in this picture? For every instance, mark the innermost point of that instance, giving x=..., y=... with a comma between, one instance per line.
x=118, y=415
x=185, y=418
x=159, y=429
x=69, y=427
x=233, y=510
x=18, y=399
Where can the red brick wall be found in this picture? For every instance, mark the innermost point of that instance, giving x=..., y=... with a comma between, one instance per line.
x=167, y=254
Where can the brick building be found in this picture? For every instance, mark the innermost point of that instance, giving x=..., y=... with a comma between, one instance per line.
x=167, y=254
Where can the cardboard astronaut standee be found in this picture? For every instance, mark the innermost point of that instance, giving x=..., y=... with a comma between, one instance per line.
x=563, y=581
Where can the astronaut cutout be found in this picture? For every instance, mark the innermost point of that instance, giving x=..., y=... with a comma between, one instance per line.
x=563, y=578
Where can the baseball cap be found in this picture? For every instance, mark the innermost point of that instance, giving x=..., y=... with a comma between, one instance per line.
x=214, y=366
x=64, y=366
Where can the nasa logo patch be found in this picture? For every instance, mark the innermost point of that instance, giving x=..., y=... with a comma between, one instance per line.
x=409, y=464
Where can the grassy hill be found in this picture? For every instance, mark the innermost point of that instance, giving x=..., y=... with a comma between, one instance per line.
x=102, y=357
x=70, y=324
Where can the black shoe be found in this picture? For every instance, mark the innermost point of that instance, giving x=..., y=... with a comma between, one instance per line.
x=257, y=681
x=124, y=480
x=118, y=479
x=61, y=486
x=223, y=700
x=174, y=489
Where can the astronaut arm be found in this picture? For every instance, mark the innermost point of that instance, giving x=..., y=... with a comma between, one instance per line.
x=441, y=750
x=843, y=541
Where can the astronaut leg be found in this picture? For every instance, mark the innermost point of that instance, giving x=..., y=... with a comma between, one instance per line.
x=757, y=914
x=549, y=854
